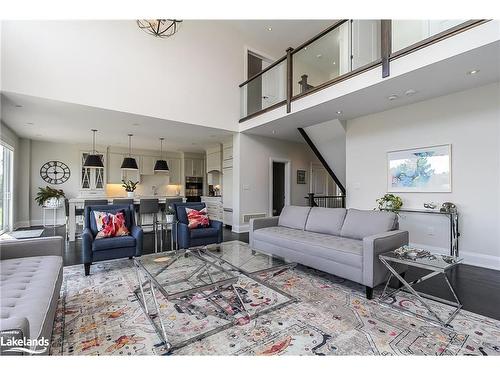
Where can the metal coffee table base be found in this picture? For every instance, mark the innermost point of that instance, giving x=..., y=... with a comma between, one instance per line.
x=419, y=295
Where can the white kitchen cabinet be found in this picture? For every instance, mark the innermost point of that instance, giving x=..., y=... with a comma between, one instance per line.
x=148, y=165
x=194, y=167
x=214, y=161
x=174, y=171
x=227, y=188
x=227, y=151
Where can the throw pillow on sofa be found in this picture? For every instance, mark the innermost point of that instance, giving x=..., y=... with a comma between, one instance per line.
x=197, y=219
x=110, y=225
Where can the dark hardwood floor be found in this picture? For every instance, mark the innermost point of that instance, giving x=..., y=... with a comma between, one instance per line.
x=477, y=288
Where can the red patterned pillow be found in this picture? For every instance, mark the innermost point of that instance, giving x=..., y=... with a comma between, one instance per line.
x=197, y=219
x=111, y=225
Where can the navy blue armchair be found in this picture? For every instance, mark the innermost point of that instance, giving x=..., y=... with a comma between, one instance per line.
x=187, y=238
x=112, y=247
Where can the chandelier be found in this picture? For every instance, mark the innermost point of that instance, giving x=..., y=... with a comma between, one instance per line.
x=159, y=28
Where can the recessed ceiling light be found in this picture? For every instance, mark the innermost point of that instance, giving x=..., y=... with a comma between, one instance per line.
x=19, y=106
x=410, y=92
x=305, y=48
x=334, y=63
x=269, y=29
x=319, y=55
x=471, y=72
x=392, y=97
x=339, y=112
x=274, y=132
x=30, y=123
x=136, y=124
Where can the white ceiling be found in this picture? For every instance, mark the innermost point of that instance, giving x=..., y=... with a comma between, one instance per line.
x=284, y=33
x=442, y=78
x=51, y=120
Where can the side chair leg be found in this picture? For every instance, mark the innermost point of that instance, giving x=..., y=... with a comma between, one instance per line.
x=87, y=268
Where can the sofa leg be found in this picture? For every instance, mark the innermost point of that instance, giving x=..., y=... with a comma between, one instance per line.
x=130, y=257
x=87, y=268
x=369, y=293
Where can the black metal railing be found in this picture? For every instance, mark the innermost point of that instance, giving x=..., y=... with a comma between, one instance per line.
x=334, y=55
x=328, y=201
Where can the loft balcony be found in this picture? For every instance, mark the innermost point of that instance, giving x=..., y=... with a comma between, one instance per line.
x=347, y=49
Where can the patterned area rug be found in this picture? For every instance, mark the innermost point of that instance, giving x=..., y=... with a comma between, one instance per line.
x=99, y=315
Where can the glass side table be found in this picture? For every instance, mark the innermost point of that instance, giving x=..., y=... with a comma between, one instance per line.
x=165, y=226
x=437, y=264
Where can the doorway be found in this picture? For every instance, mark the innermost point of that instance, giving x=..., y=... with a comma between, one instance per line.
x=257, y=96
x=278, y=187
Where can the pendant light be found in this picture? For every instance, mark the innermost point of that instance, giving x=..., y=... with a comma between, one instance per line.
x=161, y=165
x=93, y=160
x=129, y=163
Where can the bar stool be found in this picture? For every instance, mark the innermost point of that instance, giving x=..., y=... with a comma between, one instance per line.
x=123, y=201
x=150, y=207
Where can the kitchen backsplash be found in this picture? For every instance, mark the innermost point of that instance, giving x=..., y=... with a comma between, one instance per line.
x=146, y=187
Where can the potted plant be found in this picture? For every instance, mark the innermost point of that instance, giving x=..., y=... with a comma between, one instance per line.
x=49, y=197
x=169, y=214
x=130, y=187
x=390, y=202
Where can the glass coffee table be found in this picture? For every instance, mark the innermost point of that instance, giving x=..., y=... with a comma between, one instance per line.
x=436, y=264
x=191, y=294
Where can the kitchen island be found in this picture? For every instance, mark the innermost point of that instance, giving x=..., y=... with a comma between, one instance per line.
x=75, y=203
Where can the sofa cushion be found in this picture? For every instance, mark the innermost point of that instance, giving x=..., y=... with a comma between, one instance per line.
x=27, y=289
x=338, y=249
x=359, y=224
x=294, y=217
x=113, y=243
x=326, y=220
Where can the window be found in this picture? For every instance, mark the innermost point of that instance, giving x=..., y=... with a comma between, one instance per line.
x=6, y=178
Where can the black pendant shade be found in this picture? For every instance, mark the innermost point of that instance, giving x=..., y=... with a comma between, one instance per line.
x=161, y=166
x=92, y=160
x=129, y=164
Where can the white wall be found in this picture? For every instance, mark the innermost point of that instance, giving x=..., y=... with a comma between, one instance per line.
x=470, y=122
x=192, y=77
x=253, y=163
x=329, y=139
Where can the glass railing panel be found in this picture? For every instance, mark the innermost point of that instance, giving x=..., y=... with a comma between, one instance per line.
x=349, y=46
x=408, y=32
x=365, y=42
x=324, y=59
x=264, y=91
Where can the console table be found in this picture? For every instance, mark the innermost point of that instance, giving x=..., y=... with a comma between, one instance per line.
x=453, y=219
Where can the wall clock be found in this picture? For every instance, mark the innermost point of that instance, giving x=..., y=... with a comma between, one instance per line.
x=55, y=172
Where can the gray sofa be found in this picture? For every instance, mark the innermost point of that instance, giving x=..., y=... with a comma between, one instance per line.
x=342, y=242
x=30, y=282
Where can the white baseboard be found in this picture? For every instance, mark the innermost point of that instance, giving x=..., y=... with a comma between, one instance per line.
x=241, y=228
x=473, y=259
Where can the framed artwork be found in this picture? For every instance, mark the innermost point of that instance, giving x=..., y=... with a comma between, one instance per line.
x=419, y=170
x=301, y=177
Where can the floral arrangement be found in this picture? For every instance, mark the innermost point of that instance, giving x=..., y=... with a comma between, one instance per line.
x=389, y=202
